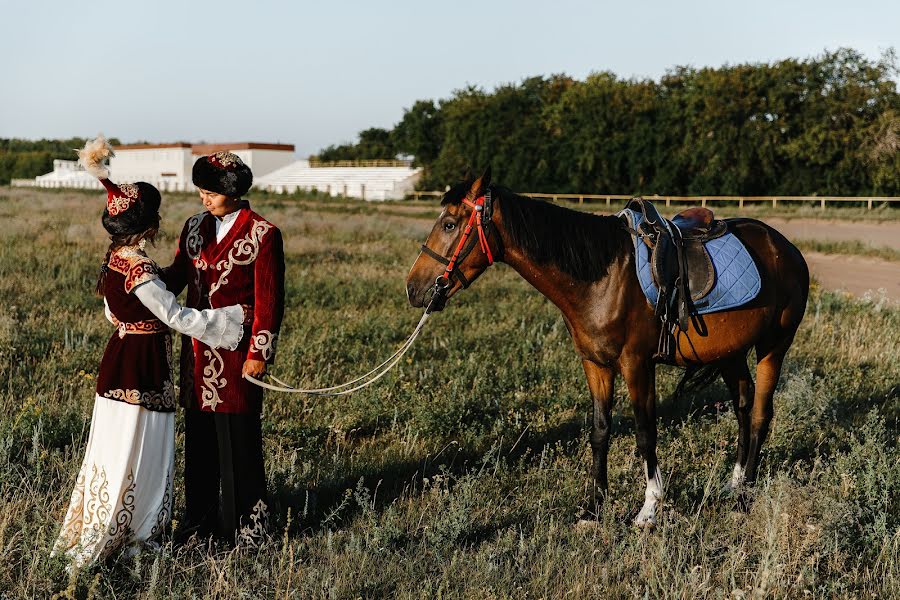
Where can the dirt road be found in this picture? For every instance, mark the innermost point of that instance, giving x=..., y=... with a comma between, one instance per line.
x=874, y=234
x=855, y=274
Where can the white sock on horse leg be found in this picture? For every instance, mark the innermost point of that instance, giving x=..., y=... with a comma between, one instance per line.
x=737, y=476
x=652, y=495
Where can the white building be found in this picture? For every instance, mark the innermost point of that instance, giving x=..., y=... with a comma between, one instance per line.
x=275, y=169
x=166, y=166
x=367, y=183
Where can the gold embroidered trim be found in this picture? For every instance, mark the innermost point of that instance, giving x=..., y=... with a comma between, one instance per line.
x=73, y=522
x=139, y=327
x=136, y=266
x=212, y=382
x=226, y=160
x=243, y=252
x=264, y=343
x=164, y=515
x=120, y=528
x=254, y=531
x=116, y=203
x=193, y=244
x=155, y=400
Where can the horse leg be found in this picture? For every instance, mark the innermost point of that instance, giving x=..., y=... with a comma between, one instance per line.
x=601, y=380
x=641, y=380
x=740, y=383
x=768, y=370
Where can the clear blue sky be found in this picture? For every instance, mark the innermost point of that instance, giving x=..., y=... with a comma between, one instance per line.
x=315, y=73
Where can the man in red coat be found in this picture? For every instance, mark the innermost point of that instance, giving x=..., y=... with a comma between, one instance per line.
x=227, y=255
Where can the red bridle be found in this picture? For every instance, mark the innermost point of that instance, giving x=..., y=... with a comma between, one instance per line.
x=477, y=222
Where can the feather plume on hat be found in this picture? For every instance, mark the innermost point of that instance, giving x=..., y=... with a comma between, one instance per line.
x=92, y=156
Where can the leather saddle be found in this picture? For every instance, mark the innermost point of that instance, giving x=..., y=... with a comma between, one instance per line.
x=679, y=262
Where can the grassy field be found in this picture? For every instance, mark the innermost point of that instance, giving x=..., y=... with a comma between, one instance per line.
x=460, y=474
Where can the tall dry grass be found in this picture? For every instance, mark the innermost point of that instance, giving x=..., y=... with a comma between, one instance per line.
x=459, y=475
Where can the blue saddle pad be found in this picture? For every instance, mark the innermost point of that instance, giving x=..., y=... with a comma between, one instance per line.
x=737, y=278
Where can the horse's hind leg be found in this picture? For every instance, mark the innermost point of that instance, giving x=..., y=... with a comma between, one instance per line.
x=740, y=384
x=768, y=370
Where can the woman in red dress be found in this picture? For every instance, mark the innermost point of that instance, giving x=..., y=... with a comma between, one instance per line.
x=123, y=493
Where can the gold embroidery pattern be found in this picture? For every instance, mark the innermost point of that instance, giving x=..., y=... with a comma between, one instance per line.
x=86, y=526
x=140, y=327
x=72, y=524
x=125, y=257
x=136, y=266
x=193, y=244
x=163, y=516
x=212, y=382
x=142, y=272
x=120, y=528
x=226, y=160
x=243, y=252
x=253, y=532
x=116, y=204
x=264, y=343
x=153, y=400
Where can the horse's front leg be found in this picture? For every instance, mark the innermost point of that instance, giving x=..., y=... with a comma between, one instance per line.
x=601, y=380
x=640, y=377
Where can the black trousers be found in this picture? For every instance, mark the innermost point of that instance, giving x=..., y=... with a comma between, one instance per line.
x=224, y=476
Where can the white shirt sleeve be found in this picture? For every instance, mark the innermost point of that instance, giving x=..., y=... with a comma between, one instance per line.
x=107, y=312
x=217, y=327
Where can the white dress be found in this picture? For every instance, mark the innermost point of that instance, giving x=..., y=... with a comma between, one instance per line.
x=123, y=493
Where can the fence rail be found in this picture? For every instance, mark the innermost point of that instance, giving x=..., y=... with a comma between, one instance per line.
x=870, y=201
x=318, y=164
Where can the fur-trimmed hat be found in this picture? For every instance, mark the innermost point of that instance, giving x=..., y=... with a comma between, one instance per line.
x=130, y=207
x=223, y=173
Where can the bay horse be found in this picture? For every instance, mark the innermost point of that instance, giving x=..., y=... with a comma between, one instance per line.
x=585, y=265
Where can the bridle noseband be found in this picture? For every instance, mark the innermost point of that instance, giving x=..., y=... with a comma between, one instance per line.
x=481, y=220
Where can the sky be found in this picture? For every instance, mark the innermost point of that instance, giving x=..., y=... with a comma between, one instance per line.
x=316, y=73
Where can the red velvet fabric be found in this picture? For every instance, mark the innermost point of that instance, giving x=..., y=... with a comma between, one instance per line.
x=137, y=365
x=246, y=267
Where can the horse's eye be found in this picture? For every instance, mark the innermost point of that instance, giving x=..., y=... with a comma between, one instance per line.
x=449, y=226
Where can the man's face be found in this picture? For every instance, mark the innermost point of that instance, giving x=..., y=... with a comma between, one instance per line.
x=218, y=205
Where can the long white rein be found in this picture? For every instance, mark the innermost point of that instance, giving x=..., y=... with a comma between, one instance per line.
x=348, y=387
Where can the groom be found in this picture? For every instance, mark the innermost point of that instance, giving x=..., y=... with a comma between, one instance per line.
x=227, y=255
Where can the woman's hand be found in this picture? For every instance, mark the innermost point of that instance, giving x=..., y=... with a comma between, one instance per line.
x=254, y=368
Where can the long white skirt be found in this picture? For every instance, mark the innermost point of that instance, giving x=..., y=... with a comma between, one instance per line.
x=123, y=494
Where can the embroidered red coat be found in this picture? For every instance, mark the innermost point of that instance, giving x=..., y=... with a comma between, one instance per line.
x=246, y=267
x=137, y=365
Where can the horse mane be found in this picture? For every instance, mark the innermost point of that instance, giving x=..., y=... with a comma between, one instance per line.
x=580, y=244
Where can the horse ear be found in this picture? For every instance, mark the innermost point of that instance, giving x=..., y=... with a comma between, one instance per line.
x=480, y=184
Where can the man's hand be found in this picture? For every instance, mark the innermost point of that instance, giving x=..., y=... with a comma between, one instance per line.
x=254, y=368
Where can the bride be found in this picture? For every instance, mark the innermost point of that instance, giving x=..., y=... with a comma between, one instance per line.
x=123, y=492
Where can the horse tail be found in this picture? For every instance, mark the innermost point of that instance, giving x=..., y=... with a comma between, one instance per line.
x=697, y=377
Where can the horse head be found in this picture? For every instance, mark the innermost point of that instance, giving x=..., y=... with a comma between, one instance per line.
x=461, y=245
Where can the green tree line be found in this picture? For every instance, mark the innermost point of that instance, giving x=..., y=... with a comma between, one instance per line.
x=26, y=159
x=823, y=125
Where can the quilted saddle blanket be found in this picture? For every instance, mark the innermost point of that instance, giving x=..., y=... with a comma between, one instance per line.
x=737, y=278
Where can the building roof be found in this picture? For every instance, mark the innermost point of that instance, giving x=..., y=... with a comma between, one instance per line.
x=152, y=146
x=201, y=149
x=210, y=148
